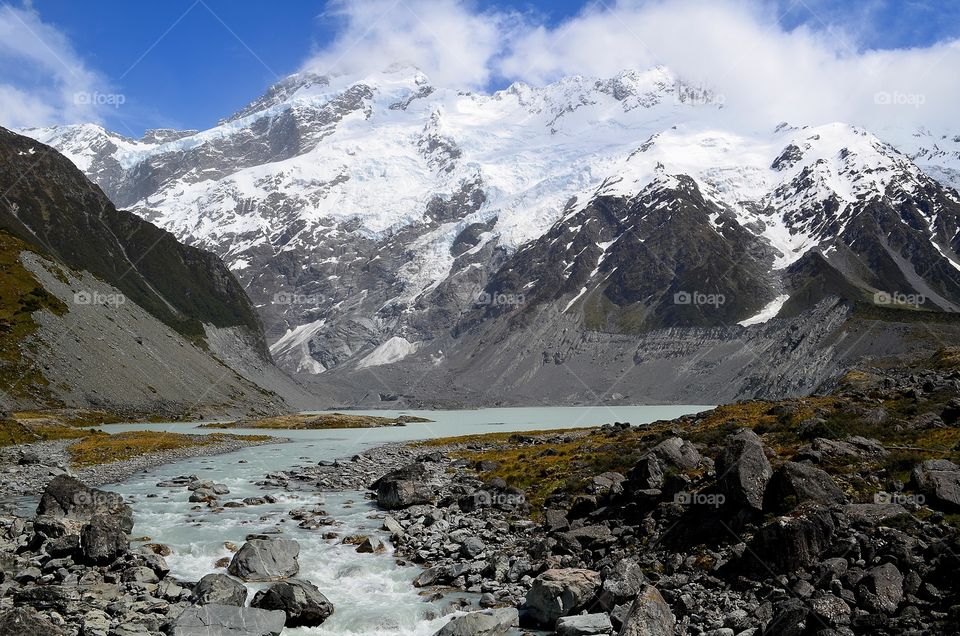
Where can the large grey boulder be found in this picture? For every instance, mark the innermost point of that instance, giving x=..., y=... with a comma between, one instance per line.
x=220, y=589
x=584, y=625
x=787, y=544
x=402, y=493
x=560, y=592
x=21, y=621
x=411, y=472
x=881, y=590
x=796, y=483
x=939, y=479
x=743, y=471
x=103, y=540
x=266, y=560
x=671, y=454
x=649, y=615
x=621, y=583
x=227, y=620
x=300, y=601
x=495, y=622
x=72, y=501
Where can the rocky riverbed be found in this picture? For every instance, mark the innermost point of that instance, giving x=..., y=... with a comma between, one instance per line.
x=834, y=515
x=26, y=469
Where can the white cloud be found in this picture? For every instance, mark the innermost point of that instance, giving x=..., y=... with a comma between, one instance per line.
x=765, y=72
x=812, y=74
x=45, y=80
x=451, y=41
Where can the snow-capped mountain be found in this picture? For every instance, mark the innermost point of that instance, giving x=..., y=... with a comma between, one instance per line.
x=378, y=219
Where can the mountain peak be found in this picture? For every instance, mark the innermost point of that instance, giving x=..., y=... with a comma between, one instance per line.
x=280, y=92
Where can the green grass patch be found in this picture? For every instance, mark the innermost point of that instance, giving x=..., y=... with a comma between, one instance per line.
x=100, y=448
x=319, y=422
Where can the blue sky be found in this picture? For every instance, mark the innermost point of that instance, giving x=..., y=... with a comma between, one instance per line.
x=187, y=63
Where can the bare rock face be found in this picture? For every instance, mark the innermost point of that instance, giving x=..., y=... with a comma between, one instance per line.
x=561, y=592
x=219, y=589
x=70, y=500
x=266, y=560
x=786, y=544
x=495, y=622
x=649, y=615
x=939, y=479
x=103, y=540
x=402, y=493
x=227, y=620
x=21, y=621
x=743, y=471
x=796, y=483
x=301, y=601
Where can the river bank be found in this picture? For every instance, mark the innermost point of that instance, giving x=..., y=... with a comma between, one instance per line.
x=25, y=469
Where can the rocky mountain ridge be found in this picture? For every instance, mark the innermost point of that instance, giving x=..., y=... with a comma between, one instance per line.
x=103, y=309
x=377, y=221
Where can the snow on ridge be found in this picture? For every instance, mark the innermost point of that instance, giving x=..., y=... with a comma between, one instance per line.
x=295, y=346
x=532, y=149
x=393, y=350
x=767, y=313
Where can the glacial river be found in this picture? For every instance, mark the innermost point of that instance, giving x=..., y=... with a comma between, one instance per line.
x=373, y=596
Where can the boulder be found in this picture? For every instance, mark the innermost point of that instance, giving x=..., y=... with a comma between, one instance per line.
x=743, y=471
x=678, y=452
x=69, y=499
x=796, y=483
x=300, y=601
x=787, y=544
x=227, y=620
x=790, y=618
x=584, y=625
x=881, y=590
x=495, y=622
x=621, y=584
x=396, y=494
x=608, y=482
x=472, y=547
x=649, y=615
x=831, y=609
x=411, y=472
x=939, y=479
x=670, y=455
x=855, y=446
x=560, y=592
x=872, y=514
x=220, y=589
x=266, y=560
x=28, y=458
x=103, y=540
x=21, y=621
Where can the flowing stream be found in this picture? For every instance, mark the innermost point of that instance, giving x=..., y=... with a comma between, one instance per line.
x=373, y=596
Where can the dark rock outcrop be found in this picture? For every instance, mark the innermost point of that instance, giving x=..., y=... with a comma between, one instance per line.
x=301, y=601
x=266, y=560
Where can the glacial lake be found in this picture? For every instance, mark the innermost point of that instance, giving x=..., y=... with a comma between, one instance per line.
x=373, y=596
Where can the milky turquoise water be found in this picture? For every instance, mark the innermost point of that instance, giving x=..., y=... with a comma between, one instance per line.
x=373, y=595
